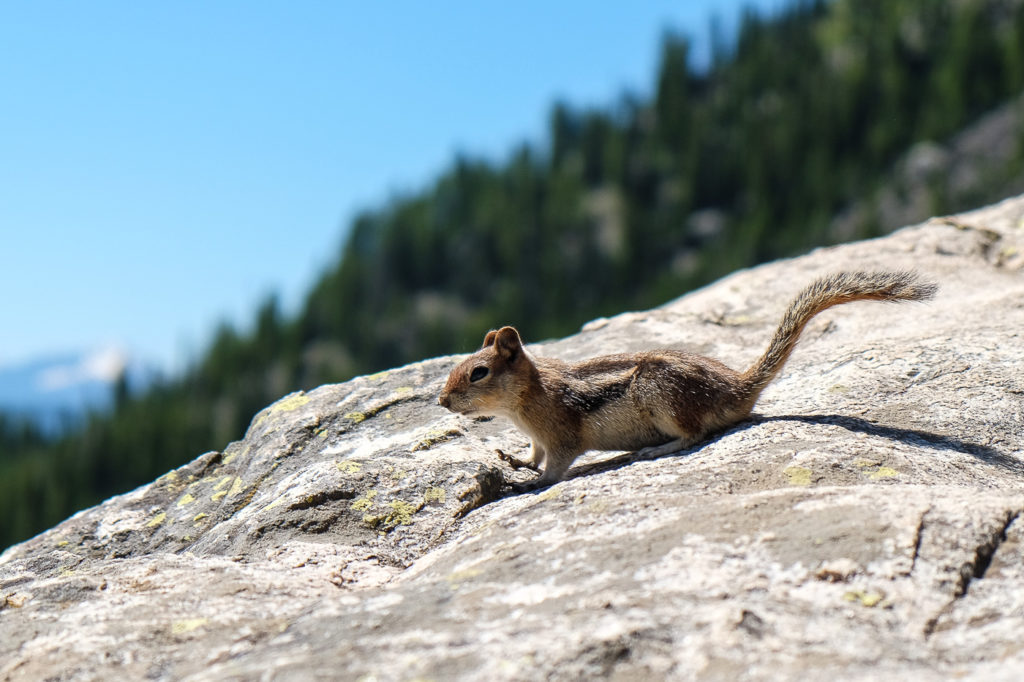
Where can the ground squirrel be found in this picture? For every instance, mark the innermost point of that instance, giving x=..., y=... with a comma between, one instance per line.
x=661, y=401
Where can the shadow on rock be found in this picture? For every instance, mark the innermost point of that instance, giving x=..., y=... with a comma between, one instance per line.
x=984, y=453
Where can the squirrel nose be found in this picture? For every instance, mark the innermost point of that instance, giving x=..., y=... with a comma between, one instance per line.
x=443, y=400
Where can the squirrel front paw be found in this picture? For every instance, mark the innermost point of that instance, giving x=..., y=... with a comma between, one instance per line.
x=515, y=462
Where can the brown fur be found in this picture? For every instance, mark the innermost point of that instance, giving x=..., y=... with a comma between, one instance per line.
x=663, y=400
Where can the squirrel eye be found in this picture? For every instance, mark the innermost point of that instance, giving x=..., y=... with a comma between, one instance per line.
x=478, y=373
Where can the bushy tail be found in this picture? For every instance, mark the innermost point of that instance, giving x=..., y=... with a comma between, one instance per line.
x=842, y=287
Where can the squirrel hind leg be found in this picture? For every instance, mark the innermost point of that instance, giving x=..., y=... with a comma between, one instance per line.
x=656, y=451
x=680, y=430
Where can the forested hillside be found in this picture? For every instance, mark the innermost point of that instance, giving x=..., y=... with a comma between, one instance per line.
x=621, y=207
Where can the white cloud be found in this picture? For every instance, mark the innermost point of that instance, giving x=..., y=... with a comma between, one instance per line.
x=103, y=365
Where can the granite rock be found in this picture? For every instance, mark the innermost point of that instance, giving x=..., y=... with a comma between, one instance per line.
x=863, y=524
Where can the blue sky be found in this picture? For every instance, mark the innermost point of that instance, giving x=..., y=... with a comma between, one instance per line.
x=166, y=166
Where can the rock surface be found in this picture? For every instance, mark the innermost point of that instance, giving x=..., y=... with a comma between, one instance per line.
x=865, y=524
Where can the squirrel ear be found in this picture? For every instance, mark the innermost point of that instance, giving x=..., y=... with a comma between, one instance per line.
x=489, y=339
x=507, y=342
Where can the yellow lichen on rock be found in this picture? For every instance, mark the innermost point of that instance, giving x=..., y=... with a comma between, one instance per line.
x=349, y=467
x=400, y=515
x=458, y=577
x=549, y=494
x=236, y=487
x=434, y=495
x=868, y=599
x=289, y=403
x=434, y=437
x=800, y=476
x=880, y=472
x=243, y=452
x=365, y=501
x=883, y=472
x=180, y=627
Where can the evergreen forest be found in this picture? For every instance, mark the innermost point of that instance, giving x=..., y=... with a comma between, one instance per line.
x=799, y=116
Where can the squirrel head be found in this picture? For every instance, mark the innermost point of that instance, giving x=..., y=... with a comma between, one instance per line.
x=489, y=381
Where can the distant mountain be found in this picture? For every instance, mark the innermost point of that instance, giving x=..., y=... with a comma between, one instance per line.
x=56, y=392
